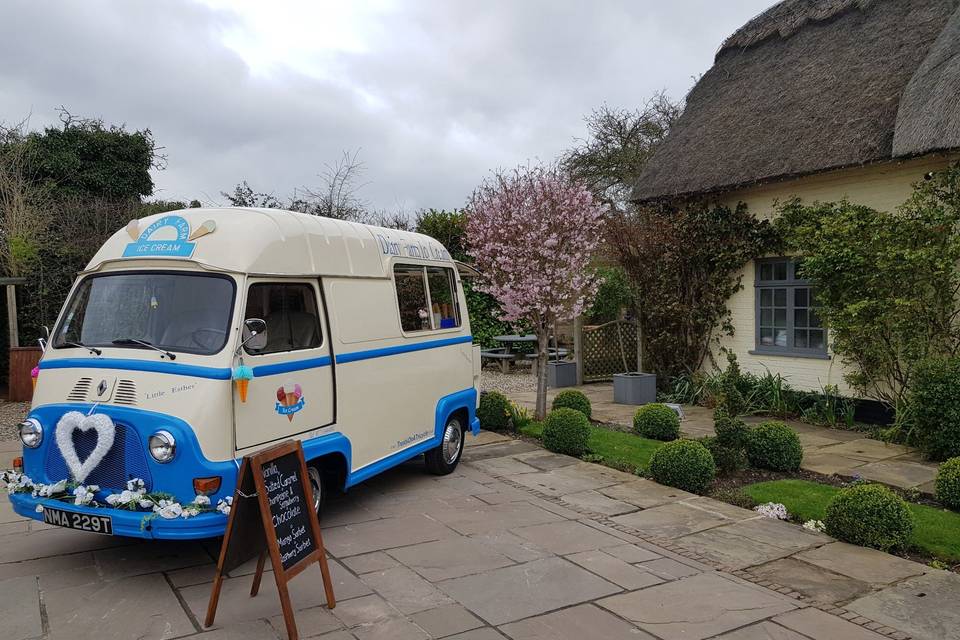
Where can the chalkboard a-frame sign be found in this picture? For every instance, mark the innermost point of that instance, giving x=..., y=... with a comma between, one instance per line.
x=273, y=514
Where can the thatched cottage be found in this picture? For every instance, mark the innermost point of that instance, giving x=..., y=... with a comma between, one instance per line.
x=821, y=100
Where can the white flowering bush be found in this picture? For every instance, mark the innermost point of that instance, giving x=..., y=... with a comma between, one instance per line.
x=773, y=510
x=815, y=525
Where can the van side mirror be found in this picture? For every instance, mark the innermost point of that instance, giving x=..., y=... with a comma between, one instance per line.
x=254, y=334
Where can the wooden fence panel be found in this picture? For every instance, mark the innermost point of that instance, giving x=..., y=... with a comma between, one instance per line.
x=22, y=361
x=608, y=349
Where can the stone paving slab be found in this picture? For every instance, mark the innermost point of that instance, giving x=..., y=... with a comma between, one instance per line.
x=860, y=563
x=138, y=607
x=697, y=607
x=818, y=625
x=671, y=520
x=899, y=473
x=387, y=533
x=817, y=584
x=513, y=593
x=763, y=631
x=644, y=493
x=546, y=460
x=596, y=502
x=20, y=608
x=830, y=463
x=924, y=606
x=615, y=570
x=451, y=558
x=867, y=450
x=495, y=517
x=575, y=623
x=446, y=620
x=562, y=538
x=405, y=590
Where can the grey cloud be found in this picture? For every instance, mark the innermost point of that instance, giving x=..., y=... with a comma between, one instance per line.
x=443, y=92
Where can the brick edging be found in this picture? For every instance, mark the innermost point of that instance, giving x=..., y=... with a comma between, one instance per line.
x=681, y=550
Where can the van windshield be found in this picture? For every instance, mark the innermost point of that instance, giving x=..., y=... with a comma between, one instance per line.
x=171, y=311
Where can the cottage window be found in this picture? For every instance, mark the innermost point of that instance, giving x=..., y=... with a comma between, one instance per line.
x=786, y=318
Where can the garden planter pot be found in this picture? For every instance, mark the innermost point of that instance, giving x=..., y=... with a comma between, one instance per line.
x=634, y=388
x=561, y=374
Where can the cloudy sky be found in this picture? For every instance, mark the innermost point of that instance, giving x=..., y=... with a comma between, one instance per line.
x=434, y=94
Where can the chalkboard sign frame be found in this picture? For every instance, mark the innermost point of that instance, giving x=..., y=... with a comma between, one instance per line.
x=247, y=536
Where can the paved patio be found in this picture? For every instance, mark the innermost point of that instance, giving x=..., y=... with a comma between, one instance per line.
x=826, y=451
x=519, y=543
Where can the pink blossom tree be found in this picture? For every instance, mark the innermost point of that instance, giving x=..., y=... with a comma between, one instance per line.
x=533, y=232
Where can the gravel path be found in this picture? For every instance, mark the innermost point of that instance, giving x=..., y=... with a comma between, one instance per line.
x=11, y=414
x=513, y=382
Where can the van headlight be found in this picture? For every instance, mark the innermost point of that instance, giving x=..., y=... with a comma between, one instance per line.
x=162, y=446
x=31, y=433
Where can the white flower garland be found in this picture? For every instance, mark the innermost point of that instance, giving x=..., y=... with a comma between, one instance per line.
x=134, y=498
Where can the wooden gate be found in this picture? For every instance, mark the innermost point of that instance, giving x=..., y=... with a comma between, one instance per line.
x=607, y=349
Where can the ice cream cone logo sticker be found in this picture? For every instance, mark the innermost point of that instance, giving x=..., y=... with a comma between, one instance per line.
x=289, y=400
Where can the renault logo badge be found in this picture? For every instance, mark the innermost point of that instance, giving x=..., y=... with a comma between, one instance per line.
x=101, y=388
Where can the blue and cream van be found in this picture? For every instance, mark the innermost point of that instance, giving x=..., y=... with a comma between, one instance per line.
x=198, y=336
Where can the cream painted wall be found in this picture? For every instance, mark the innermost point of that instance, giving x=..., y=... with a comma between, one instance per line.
x=881, y=186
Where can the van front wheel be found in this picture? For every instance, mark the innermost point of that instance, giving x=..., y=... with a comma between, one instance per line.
x=444, y=458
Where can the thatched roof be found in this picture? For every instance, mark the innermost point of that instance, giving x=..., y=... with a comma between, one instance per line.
x=813, y=85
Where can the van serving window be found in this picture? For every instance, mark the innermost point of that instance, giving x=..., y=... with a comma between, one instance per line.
x=290, y=311
x=427, y=297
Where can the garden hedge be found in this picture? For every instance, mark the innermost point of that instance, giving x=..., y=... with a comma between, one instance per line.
x=948, y=484
x=494, y=411
x=684, y=464
x=657, y=421
x=870, y=515
x=773, y=445
x=572, y=399
x=566, y=431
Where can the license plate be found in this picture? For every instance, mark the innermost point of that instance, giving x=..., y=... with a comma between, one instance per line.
x=80, y=521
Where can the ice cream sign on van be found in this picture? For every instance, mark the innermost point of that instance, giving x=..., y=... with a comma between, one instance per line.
x=352, y=339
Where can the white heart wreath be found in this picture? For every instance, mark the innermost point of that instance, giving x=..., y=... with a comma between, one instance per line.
x=100, y=423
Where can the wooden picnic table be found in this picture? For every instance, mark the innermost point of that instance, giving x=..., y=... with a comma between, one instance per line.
x=511, y=340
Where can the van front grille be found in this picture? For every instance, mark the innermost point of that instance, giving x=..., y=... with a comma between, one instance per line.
x=80, y=390
x=125, y=459
x=125, y=393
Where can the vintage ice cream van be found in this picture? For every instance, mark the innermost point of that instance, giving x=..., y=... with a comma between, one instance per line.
x=198, y=336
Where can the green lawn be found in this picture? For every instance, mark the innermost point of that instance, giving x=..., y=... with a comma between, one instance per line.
x=937, y=531
x=612, y=445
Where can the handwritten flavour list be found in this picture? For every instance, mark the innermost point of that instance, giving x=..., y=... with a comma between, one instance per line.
x=288, y=509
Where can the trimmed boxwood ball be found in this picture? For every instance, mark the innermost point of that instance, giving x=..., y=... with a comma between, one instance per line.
x=774, y=445
x=728, y=458
x=566, y=431
x=731, y=431
x=684, y=464
x=572, y=399
x=870, y=515
x=494, y=411
x=657, y=421
x=948, y=484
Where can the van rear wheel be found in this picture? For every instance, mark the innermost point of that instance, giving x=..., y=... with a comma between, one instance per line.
x=317, y=485
x=444, y=458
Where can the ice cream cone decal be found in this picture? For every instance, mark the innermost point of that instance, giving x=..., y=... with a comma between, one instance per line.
x=241, y=377
x=34, y=373
x=289, y=399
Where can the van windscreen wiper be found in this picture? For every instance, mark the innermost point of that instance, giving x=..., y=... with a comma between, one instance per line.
x=144, y=343
x=92, y=350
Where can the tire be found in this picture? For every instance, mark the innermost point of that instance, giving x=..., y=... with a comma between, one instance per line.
x=320, y=484
x=444, y=459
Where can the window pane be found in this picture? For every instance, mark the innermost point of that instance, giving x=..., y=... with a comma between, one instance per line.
x=766, y=337
x=766, y=317
x=766, y=271
x=814, y=318
x=780, y=338
x=766, y=297
x=780, y=317
x=780, y=297
x=180, y=312
x=800, y=339
x=800, y=297
x=443, y=297
x=290, y=311
x=800, y=318
x=411, y=298
x=816, y=339
x=780, y=270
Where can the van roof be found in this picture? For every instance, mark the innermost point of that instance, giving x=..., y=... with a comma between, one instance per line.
x=265, y=241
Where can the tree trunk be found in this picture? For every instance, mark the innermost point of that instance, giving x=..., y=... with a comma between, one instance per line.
x=543, y=341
